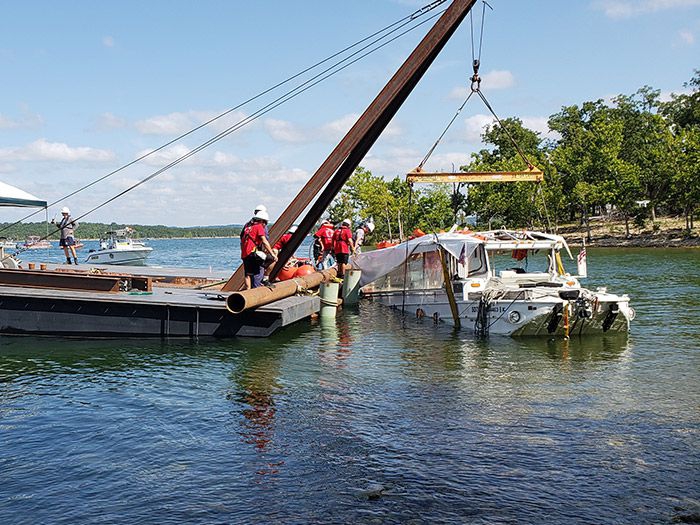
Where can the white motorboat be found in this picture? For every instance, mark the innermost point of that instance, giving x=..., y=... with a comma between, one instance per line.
x=504, y=282
x=8, y=244
x=120, y=247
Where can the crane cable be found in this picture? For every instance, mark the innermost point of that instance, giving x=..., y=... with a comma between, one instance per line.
x=395, y=25
x=308, y=84
x=476, y=88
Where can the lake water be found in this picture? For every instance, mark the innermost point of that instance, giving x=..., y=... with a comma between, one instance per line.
x=370, y=418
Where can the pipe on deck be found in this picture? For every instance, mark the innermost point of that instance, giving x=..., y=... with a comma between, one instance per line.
x=238, y=302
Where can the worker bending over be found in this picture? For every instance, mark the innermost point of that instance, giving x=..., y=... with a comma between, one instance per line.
x=255, y=249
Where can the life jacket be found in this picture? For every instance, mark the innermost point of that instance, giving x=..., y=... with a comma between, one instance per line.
x=341, y=236
x=282, y=241
x=251, y=238
x=325, y=235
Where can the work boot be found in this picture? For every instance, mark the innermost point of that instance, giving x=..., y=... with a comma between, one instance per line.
x=68, y=260
x=75, y=261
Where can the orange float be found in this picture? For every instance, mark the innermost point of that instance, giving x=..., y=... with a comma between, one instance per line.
x=304, y=270
x=418, y=233
x=287, y=273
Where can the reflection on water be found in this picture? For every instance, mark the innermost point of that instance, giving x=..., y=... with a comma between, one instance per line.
x=255, y=385
x=367, y=418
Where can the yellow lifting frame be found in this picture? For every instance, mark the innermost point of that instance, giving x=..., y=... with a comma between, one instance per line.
x=531, y=174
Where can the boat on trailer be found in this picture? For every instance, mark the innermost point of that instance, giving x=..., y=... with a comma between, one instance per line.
x=504, y=282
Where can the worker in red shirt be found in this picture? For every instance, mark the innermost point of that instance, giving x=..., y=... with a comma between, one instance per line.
x=323, y=244
x=284, y=239
x=343, y=246
x=255, y=248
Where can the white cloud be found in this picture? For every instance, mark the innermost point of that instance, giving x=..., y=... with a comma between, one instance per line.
x=686, y=36
x=475, y=126
x=108, y=41
x=336, y=129
x=339, y=127
x=284, y=131
x=178, y=123
x=27, y=120
x=164, y=156
x=538, y=124
x=666, y=96
x=495, y=79
x=108, y=121
x=629, y=8
x=447, y=162
x=42, y=150
x=498, y=79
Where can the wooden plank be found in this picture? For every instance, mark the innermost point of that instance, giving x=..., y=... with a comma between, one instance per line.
x=60, y=280
x=476, y=176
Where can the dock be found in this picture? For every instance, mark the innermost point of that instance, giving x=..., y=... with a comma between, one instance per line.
x=156, y=308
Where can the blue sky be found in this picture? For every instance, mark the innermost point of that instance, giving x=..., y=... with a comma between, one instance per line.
x=89, y=86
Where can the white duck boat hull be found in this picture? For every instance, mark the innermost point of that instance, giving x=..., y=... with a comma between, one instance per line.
x=536, y=317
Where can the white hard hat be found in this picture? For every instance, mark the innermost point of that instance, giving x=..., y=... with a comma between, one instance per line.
x=65, y=210
x=260, y=207
x=347, y=221
x=292, y=229
x=262, y=215
x=370, y=226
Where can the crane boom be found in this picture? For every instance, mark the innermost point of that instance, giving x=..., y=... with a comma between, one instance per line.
x=350, y=151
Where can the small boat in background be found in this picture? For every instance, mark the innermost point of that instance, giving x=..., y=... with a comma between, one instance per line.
x=119, y=247
x=8, y=244
x=34, y=242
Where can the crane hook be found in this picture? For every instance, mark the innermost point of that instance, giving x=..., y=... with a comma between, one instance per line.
x=476, y=79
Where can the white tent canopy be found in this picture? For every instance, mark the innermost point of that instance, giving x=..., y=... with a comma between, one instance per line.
x=11, y=196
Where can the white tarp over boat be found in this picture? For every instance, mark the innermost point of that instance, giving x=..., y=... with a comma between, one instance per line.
x=11, y=196
x=378, y=263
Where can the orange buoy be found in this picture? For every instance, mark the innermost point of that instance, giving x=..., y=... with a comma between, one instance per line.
x=287, y=273
x=304, y=270
x=418, y=232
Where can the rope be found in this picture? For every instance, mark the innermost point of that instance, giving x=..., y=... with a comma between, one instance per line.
x=544, y=205
x=430, y=151
x=400, y=23
x=515, y=144
x=405, y=259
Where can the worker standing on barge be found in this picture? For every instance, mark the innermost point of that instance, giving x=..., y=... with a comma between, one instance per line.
x=67, y=228
x=255, y=249
x=323, y=245
x=343, y=246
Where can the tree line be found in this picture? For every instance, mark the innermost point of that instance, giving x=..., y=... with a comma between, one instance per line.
x=635, y=157
x=94, y=230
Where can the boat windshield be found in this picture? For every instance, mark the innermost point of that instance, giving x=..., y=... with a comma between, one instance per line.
x=521, y=261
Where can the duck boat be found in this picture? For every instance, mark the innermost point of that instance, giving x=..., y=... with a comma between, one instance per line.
x=119, y=247
x=503, y=282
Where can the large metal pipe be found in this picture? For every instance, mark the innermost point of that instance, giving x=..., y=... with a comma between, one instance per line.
x=238, y=302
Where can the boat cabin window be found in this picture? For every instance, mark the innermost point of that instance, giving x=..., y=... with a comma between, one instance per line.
x=521, y=261
x=475, y=265
x=424, y=272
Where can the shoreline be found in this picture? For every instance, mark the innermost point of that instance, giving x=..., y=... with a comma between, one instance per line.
x=634, y=241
